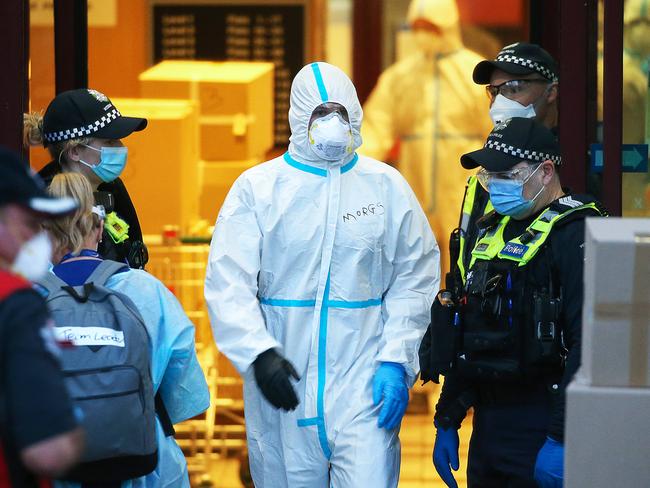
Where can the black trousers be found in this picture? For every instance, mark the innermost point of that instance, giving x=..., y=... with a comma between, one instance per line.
x=504, y=445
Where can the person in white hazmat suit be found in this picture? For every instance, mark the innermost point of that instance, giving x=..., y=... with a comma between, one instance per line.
x=428, y=104
x=321, y=274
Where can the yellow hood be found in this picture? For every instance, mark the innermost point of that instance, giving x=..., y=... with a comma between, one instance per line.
x=441, y=13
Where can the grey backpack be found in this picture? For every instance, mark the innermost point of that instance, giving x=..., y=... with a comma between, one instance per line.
x=106, y=363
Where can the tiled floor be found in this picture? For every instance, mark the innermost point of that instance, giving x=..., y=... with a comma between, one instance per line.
x=417, y=471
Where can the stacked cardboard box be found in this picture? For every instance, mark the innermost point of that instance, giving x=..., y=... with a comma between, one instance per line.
x=235, y=103
x=607, y=436
x=162, y=171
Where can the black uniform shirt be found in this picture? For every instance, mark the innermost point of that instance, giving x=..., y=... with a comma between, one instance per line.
x=35, y=404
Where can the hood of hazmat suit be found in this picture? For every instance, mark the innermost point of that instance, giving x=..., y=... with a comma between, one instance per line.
x=305, y=97
x=334, y=264
x=428, y=104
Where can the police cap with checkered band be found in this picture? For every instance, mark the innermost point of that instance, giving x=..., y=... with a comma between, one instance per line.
x=513, y=141
x=81, y=113
x=518, y=59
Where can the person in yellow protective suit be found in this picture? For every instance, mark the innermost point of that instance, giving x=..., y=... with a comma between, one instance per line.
x=429, y=105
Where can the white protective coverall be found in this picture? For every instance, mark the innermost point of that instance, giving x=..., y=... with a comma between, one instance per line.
x=175, y=371
x=335, y=265
x=429, y=104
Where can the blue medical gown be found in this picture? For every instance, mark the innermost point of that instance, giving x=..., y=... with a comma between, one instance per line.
x=175, y=371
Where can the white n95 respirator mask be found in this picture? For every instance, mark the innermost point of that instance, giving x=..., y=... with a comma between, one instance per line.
x=33, y=259
x=503, y=109
x=330, y=137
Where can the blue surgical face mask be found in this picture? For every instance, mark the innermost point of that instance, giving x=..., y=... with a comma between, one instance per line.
x=507, y=196
x=111, y=162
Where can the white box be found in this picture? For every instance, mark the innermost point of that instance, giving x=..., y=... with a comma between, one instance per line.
x=607, y=437
x=616, y=311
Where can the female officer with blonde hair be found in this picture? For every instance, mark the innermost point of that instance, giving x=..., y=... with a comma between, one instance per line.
x=175, y=371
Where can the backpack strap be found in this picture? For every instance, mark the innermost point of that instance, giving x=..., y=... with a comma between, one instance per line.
x=104, y=271
x=52, y=283
x=163, y=416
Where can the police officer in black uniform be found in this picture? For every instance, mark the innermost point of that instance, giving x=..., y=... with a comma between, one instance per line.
x=82, y=130
x=506, y=330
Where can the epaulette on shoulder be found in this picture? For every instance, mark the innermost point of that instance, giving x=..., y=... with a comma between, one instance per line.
x=577, y=207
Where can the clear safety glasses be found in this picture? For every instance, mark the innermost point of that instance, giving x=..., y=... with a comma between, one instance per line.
x=511, y=88
x=518, y=175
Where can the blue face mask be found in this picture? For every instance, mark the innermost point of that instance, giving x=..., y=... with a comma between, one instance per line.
x=111, y=162
x=507, y=196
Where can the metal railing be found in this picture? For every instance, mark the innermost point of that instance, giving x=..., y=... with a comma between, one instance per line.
x=219, y=432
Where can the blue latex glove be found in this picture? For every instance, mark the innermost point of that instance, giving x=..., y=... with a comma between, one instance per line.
x=549, y=467
x=445, y=454
x=389, y=388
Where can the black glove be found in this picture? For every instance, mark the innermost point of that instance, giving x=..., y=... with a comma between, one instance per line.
x=272, y=372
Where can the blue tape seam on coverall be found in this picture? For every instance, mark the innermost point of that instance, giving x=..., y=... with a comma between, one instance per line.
x=322, y=343
x=318, y=171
